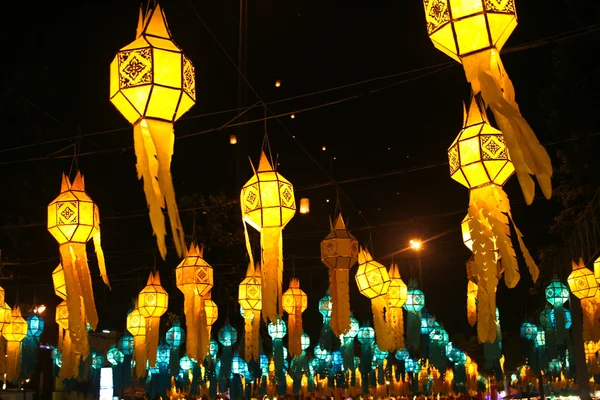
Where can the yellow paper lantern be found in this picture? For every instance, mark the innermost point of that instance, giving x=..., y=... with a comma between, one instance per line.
x=152, y=83
x=294, y=302
x=373, y=282
x=70, y=358
x=339, y=252
x=304, y=205
x=473, y=33
x=1, y=296
x=152, y=302
x=136, y=325
x=58, y=279
x=472, y=302
x=5, y=316
x=14, y=332
x=397, y=296
x=73, y=219
x=268, y=204
x=212, y=314
x=250, y=299
x=582, y=282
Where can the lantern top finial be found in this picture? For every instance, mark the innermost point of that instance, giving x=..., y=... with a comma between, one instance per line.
x=264, y=164
x=339, y=223
x=475, y=115
x=155, y=23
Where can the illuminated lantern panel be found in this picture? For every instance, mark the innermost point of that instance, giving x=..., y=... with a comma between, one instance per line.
x=528, y=331
x=478, y=156
x=459, y=28
x=153, y=299
x=305, y=340
x=582, y=282
x=427, y=323
x=366, y=335
x=547, y=319
x=35, y=326
x=175, y=335
x=227, y=335
x=136, y=323
x=557, y=293
x=415, y=301
x=125, y=344
x=58, y=279
x=372, y=278
x=212, y=312
x=277, y=330
x=232, y=139
x=62, y=315
x=340, y=248
x=402, y=354
x=353, y=331
x=294, y=298
x=325, y=306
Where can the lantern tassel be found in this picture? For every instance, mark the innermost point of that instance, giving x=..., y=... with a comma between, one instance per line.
x=154, y=142
x=340, y=313
x=70, y=359
x=487, y=75
x=272, y=272
x=191, y=308
x=295, y=331
x=75, y=303
x=100, y=256
x=203, y=341
x=139, y=352
x=378, y=304
x=396, y=316
x=152, y=335
x=13, y=360
x=472, y=303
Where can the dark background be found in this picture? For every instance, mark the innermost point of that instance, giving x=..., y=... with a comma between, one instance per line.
x=390, y=142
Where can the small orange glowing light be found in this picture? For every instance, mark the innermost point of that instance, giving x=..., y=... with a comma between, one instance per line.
x=293, y=116
x=277, y=83
x=232, y=139
x=324, y=148
x=416, y=244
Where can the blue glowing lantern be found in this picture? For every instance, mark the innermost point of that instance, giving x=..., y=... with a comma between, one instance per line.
x=163, y=354
x=35, y=326
x=185, y=363
x=449, y=348
x=56, y=357
x=555, y=366
x=114, y=356
x=366, y=335
x=528, y=331
x=568, y=318
x=458, y=357
x=227, y=335
x=218, y=367
x=402, y=354
x=557, y=293
x=379, y=354
x=411, y=365
x=439, y=335
x=540, y=339
x=277, y=330
x=305, y=341
x=336, y=359
x=415, y=300
x=285, y=353
x=546, y=319
x=264, y=364
x=237, y=364
x=213, y=348
x=97, y=361
x=175, y=335
x=427, y=323
x=125, y=344
x=320, y=352
x=325, y=306
x=315, y=363
x=352, y=332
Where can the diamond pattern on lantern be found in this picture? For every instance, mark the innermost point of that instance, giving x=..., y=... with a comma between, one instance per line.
x=135, y=320
x=287, y=195
x=251, y=197
x=394, y=292
x=453, y=159
x=507, y=6
x=201, y=275
x=135, y=67
x=150, y=298
x=374, y=277
x=189, y=78
x=493, y=147
x=252, y=292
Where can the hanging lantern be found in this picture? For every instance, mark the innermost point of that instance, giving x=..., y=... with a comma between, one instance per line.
x=582, y=281
x=14, y=332
x=268, y=204
x=397, y=295
x=428, y=323
x=194, y=277
x=250, y=299
x=232, y=139
x=114, y=356
x=415, y=301
x=175, y=335
x=97, y=361
x=5, y=317
x=152, y=84
x=73, y=220
x=58, y=279
x=373, y=282
x=473, y=33
x=304, y=205
x=479, y=160
x=472, y=302
x=153, y=301
x=557, y=293
x=126, y=344
x=35, y=326
x=528, y=331
x=294, y=302
x=339, y=252
x=305, y=341
x=136, y=325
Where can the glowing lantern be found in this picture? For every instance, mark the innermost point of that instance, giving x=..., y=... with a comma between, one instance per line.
x=152, y=303
x=277, y=83
x=250, y=299
x=163, y=355
x=415, y=300
x=136, y=325
x=366, y=335
x=232, y=139
x=213, y=348
x=58, y=279
x=540, y=338
x=97, y=361
x=14, y=332
x=175, y=335
x=428, y=323
x=582, y=281
x=528, y=331
x=73, y=220
x=277, y=329
x=320, y=353
x=479, y=159
x=546, y=318
x=268, y=204
x=472, y=289
x=305, y=340
x=5, y=316
x=397, y=295
x=473, y=33
x=227, y=335
x=153, y=84
x=114, y=356
x=35, y=326
x=185, y=363
x=194, y=277
x=325, y=307
x=304, y=205
x=339, y=252
x=557, y=293
x=126, y=344
x=294, y=302
x=373, y=282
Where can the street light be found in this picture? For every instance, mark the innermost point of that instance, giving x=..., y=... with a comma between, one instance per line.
x=417, y=245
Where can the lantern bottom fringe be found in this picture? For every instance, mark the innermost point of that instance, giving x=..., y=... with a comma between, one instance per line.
x=339, y=281
x=382, y=336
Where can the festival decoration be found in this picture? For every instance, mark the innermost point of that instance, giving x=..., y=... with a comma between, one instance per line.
x=415, y=302
x=479, y=160
x=584, y=286
x=227, y=338
x=277, y=330
x=373, y=282
x=250, y=299
x=294, y=302
x=473, y=34
x=152, y=302
x=327, y=337
x=175, y=337
x=194, y=277
x=339, y=252
x=73, y=219
x=136, y=325
x=472, y=302
x=347, y=341
x=268, y=204
x=397, y=295
x=14, y=332
x=366, y=338
x=152, y=84
x=31, y=343
x=212, y=313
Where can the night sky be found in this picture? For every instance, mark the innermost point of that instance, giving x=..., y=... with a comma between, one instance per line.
x=386, y=144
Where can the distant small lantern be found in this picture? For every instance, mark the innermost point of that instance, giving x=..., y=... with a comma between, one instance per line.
x=325, y=307
x=320, y=353
x=35, y=326
x=232, y=139
x=163, y=354
x=304, y=205
x=136, y=325
x=175, y=335
x=366, y=335
x=305, y=340
x=540, y=338
x=212, y=312
x=97, y=361
x=125, y=344
x=528, y=331
x=277, y=83
x=152, y=303
x=293, y=116
x=294, y=302
x=582, y=281
x=227, y=335
x=415, y=300
x=14, y=333
x=277, y=329
x=250, y=299
x=185, y=363
x=114, y=356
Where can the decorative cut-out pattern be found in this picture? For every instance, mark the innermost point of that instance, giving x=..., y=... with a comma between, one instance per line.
x=189, y=78
x=453, y=159
x=135, y=67
x=493, y=147
x=504, y=6
x=437, y=14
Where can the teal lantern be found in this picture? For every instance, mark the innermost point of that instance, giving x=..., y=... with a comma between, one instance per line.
x=449, y=348
x=415, y=300
x=540, y=339
x=213, y=348
x=237, y=364
x=163, y=354
x=457, y=357
x=555, y=366
x=439, y=335
x=336, y=359
x=366, y=335
x=175, y=335
x=379, y=354
x=217, y=367
x=427, y=322
x=227, y=335
x=568, y=318
x=305, y=341
x=285, y=352
x=320, y=352
x=35, y=326
x=557, y=293
x=402, y=354
x=352, y=332
x=325, y=306
x=56, y=357
x=277, y=330
x=411, y=365
x=546, y=319
x=264, y=364
x=528, y=331
x=97, y=361
x=114, y=356
x=185, y=363
x=125, y=344
x=315, y=364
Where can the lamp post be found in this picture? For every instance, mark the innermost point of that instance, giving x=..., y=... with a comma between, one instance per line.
x=417, y=245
